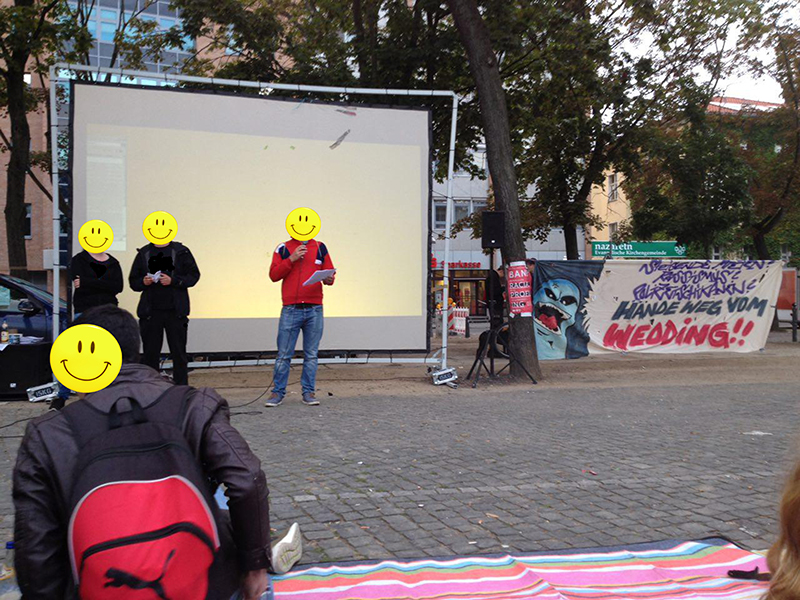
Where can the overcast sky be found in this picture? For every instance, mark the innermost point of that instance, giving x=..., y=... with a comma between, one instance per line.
x=746, y=86
x=743, y=85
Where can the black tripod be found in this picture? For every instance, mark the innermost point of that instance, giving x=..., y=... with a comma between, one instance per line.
x=493, y=224
x=489, y=346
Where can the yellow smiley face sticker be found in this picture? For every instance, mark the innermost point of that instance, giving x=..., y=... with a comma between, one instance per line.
x=160, y=227
x=303, y=224
x=95, y=236
x=85, y=358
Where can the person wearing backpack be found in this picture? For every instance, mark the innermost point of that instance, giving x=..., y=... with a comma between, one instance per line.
x=114, y=494
x=97, y=279
x=164, y=303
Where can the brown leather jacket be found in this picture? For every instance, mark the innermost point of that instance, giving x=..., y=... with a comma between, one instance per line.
x=43, y=480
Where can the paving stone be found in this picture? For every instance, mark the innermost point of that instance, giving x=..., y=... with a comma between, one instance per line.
x=679, y=468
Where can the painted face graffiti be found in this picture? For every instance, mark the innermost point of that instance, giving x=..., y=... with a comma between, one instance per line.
x=555, y=310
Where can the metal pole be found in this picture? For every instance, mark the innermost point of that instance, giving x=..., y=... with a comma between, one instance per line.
x=448, y=223
x=794, y=322
x=254, y=84
x=56, y=218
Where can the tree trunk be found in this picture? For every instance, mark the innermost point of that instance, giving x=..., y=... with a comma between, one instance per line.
x=762, y=229
x=485, y=71
x=360, y=39
x=571, y=241
x=762, y=253
x=760, y=245
x=19, y=158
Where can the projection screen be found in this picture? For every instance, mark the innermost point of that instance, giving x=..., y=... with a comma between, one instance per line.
x=230, y=168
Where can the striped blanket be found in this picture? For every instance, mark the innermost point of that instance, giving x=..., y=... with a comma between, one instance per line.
x=668, y=570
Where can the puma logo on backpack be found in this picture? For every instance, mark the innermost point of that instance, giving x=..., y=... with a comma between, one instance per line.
x=118, y=578
x=141, y=516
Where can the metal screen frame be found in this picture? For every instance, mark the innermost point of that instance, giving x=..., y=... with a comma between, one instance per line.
x=55, y=77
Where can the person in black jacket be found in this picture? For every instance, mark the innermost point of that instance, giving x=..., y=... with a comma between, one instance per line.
x=164, y=304
x=495, y=287
x=97, y=279
x=47, y=466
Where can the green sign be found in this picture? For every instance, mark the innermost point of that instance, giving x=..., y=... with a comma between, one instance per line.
x=639, y=250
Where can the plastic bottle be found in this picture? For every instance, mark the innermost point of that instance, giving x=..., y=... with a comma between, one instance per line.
x=4, y=333
x=9, y=590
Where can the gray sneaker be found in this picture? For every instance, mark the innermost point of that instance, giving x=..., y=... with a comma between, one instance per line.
x=310, y=399
x=273, y=401
x=288, y=550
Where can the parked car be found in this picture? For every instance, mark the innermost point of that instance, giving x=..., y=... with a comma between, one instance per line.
x=28, y=308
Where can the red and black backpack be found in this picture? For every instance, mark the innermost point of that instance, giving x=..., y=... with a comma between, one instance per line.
x=141, y=522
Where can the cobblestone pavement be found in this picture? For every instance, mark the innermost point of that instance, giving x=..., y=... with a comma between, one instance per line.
x=544, y=470
x=519, y=469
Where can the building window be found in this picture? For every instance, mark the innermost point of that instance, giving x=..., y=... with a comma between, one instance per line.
x=439, y=215
x=104, y=22
x=612, y=231
x=478, y=206
x=716, y=253
x=460, y=211
x=107, y=31
x=786, y=253
x=613, y=187
x=482, y=160
x=28, y=220
x=231, y=48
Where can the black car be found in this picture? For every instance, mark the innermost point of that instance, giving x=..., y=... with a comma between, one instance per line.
x=28, y=308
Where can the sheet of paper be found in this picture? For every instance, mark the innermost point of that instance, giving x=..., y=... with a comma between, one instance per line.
x=156, y=276
x=319, y=276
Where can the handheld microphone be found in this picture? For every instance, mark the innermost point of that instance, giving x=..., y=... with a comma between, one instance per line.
x=305, y=243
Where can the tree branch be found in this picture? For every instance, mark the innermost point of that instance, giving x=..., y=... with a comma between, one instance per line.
x=62, y=205
x=43, y=18
x=796, y=98
x=768, y=223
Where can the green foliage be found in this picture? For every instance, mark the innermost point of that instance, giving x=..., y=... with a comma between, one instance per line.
x=757, y=149
x=239, y=40
x=691, y=182
x=30, y=36
x=590, y=86
x=582, y=77
x=787, y=233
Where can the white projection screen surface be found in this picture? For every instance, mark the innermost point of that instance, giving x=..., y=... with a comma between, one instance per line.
x=230, y=168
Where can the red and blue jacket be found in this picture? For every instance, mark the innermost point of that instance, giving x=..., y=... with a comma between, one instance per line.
x=294, y=274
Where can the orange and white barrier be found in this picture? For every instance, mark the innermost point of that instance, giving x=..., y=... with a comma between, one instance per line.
x=458, y=317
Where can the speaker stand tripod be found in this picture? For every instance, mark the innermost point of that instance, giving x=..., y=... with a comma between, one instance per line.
x=488, y=346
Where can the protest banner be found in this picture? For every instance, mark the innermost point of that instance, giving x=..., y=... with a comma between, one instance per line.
x=661, y=306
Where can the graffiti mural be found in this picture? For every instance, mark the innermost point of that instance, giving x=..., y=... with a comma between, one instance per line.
x=583, y=307
x=561, y=291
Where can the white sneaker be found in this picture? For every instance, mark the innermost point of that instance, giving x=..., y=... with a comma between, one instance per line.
x=288, y=550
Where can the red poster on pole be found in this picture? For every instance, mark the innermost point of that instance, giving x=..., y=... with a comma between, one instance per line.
x=520, y=300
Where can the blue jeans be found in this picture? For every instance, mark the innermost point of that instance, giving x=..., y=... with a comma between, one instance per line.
x=64, y=391
x=293, y=320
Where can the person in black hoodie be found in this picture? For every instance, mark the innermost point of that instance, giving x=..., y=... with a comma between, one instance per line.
x=164, y=304
x=97, y=279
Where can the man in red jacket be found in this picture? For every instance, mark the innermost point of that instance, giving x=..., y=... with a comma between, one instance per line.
x=293, y=263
